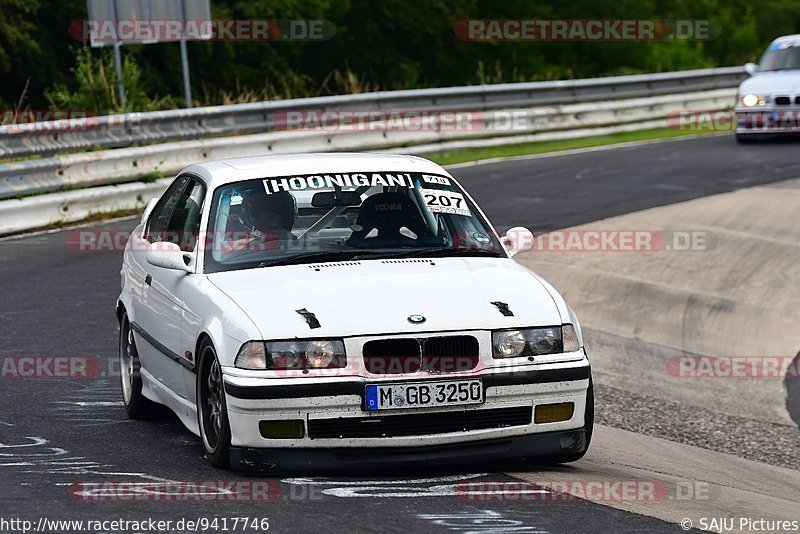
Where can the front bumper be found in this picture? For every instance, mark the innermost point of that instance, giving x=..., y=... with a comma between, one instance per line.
x=250, y=402
x=767, y=120
x=496, y=451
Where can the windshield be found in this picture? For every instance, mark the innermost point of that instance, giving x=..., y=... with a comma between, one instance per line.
x=781, y=57
x=339, y=217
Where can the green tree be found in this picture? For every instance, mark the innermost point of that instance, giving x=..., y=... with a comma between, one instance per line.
x=378, y=44
x=96, y=81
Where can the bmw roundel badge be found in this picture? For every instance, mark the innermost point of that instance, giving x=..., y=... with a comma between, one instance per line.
x=416, y=319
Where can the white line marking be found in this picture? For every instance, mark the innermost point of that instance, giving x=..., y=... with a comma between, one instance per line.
x=419, y=487
x=480, y=521
x=58, y=461
x=91, y=403
x=72, y=463
x=137, y=475
x=57, y=451
x=36, y=442
x=443, y=490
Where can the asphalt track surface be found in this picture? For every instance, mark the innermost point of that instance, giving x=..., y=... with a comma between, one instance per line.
x=57, y=301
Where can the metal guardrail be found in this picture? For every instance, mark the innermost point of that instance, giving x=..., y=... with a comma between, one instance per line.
x=87, y=169
x=114, y=166
x=39, y=211
x=126, y=130
x=171, y=140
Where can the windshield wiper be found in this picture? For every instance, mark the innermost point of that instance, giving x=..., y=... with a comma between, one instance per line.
x=310, y=257
x=435, y=252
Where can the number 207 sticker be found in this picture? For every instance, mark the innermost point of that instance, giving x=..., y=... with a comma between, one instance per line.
x=437, y=201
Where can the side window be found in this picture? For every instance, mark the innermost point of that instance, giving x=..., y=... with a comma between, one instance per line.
x=159, y=220
x=184, y=224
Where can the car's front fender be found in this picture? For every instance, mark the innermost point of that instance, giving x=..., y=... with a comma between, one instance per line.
x=210, y=312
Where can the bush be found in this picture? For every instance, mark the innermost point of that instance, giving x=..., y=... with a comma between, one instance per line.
x=96, y=86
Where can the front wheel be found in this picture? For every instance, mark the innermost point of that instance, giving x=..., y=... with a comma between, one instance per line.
x=753, y=138
x=212, y=412
x=136, y=404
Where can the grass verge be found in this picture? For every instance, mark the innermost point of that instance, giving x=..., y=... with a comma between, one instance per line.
x=541, y=147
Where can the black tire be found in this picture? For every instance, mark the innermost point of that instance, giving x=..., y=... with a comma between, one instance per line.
x=792, y=386
x=212, y=411
x=137, y=405
x=754, y=138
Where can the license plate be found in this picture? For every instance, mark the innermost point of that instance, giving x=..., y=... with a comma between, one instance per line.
x=423, y=394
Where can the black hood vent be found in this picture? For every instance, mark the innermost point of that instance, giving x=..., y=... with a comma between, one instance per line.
x=310, y=318
x=503, y=307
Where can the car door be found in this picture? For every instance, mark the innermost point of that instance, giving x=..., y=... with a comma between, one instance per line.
x=176, y=221
x=139, y=278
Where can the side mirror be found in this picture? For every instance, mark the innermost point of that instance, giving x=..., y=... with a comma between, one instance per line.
x=149, y=209
x=168, y=255
x=518, y=239
x=751, y=68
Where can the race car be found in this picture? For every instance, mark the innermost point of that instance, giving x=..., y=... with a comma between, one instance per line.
x=768, y=103
x=325, y=311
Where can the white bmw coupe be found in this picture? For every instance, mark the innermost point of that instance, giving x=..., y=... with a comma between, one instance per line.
x=346, y=310
x=768, y=103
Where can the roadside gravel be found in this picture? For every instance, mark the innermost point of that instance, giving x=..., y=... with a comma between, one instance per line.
x=766, y=442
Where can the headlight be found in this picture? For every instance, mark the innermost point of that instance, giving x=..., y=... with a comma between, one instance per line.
x=534, y=341
x=508, y=343
x=750, y=100
x=286, y=354
x=291, y=355
x=322, y=354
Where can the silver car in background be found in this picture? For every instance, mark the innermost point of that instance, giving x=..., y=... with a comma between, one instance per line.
x=768, y=103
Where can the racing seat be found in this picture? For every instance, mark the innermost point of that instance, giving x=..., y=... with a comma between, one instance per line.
x=273, y=215
x=390, y=220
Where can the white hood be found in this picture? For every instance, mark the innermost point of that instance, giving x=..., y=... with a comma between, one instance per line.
x=768, y=83
x=377, y=296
